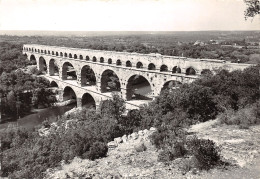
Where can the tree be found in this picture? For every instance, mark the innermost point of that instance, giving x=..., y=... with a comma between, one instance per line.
x=114, y=107
x=253, y=8
x=11, y=101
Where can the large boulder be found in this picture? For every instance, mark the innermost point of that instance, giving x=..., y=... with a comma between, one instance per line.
x=118, y=140
x=124, y=138
x=152, y=129
x=134, y=135
x=140, y=133
x=112, y=145
x=145, y=131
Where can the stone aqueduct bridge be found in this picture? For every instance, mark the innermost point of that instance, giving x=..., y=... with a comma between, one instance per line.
x=155, y=68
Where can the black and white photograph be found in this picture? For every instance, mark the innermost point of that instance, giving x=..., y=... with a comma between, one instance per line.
x=131, y=89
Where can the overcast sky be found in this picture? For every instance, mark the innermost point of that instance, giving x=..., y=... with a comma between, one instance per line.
x=125, y=15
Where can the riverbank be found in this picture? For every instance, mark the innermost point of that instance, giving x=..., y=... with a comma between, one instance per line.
x=38, y=116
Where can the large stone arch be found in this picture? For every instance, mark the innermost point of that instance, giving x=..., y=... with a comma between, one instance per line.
x=33, y=59
x=88, y=101
x=42, y=65
x=69, y=93
x=176, y=69
x=170, y=85
x=54, y=84
x=136, y=87
x=106, y=78
x=87, y=76
x=53, y=67
x=65, y=68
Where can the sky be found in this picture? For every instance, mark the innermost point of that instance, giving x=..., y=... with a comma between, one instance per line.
x=125, y=15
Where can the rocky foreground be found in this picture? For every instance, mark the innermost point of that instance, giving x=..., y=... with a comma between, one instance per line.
x=241, y=147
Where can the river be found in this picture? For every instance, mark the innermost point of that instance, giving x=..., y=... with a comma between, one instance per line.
x=32, y=120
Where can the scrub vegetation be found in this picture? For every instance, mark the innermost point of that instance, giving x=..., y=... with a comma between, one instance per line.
x=231, y=96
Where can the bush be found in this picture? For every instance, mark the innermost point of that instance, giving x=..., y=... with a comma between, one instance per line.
x=97, y=150
x=205, y=152
x=140, y=148
x=187, y=164
x=244, y=117
x=172, y=152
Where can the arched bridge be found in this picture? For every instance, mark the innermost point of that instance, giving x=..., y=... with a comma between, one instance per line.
x=92, y=75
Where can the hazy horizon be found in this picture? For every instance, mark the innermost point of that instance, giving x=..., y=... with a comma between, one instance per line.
x=100, y=33
x=125, y=15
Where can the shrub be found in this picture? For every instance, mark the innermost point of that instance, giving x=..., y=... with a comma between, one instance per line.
x=187, y=164
x=97, y=150
x=225, y=117
x=174, y=150
x=244, y=117
x=205, y=152
x=140, y=148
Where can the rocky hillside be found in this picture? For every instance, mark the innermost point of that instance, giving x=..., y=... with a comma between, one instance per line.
x=128, y=158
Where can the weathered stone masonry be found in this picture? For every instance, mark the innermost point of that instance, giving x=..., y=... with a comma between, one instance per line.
x=157, y=69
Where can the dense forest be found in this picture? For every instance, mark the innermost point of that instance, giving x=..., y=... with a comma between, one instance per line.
x=233, y=97
x=18, y=88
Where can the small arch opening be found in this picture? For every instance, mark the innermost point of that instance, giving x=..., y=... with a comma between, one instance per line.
x=118, y=62
x=75, y=56
x=151, y=66
x=128, y=64
x=101, y=60
x=81, y=57
x=206, y=72
x=94, y=59
x=139, y=65
x=87, y=58
x=176, y=70
x=164, y=68
x=70, y=55
x=109, y=61
x=190, y=71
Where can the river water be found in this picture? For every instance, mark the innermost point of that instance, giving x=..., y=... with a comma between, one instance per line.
x=32, y=120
